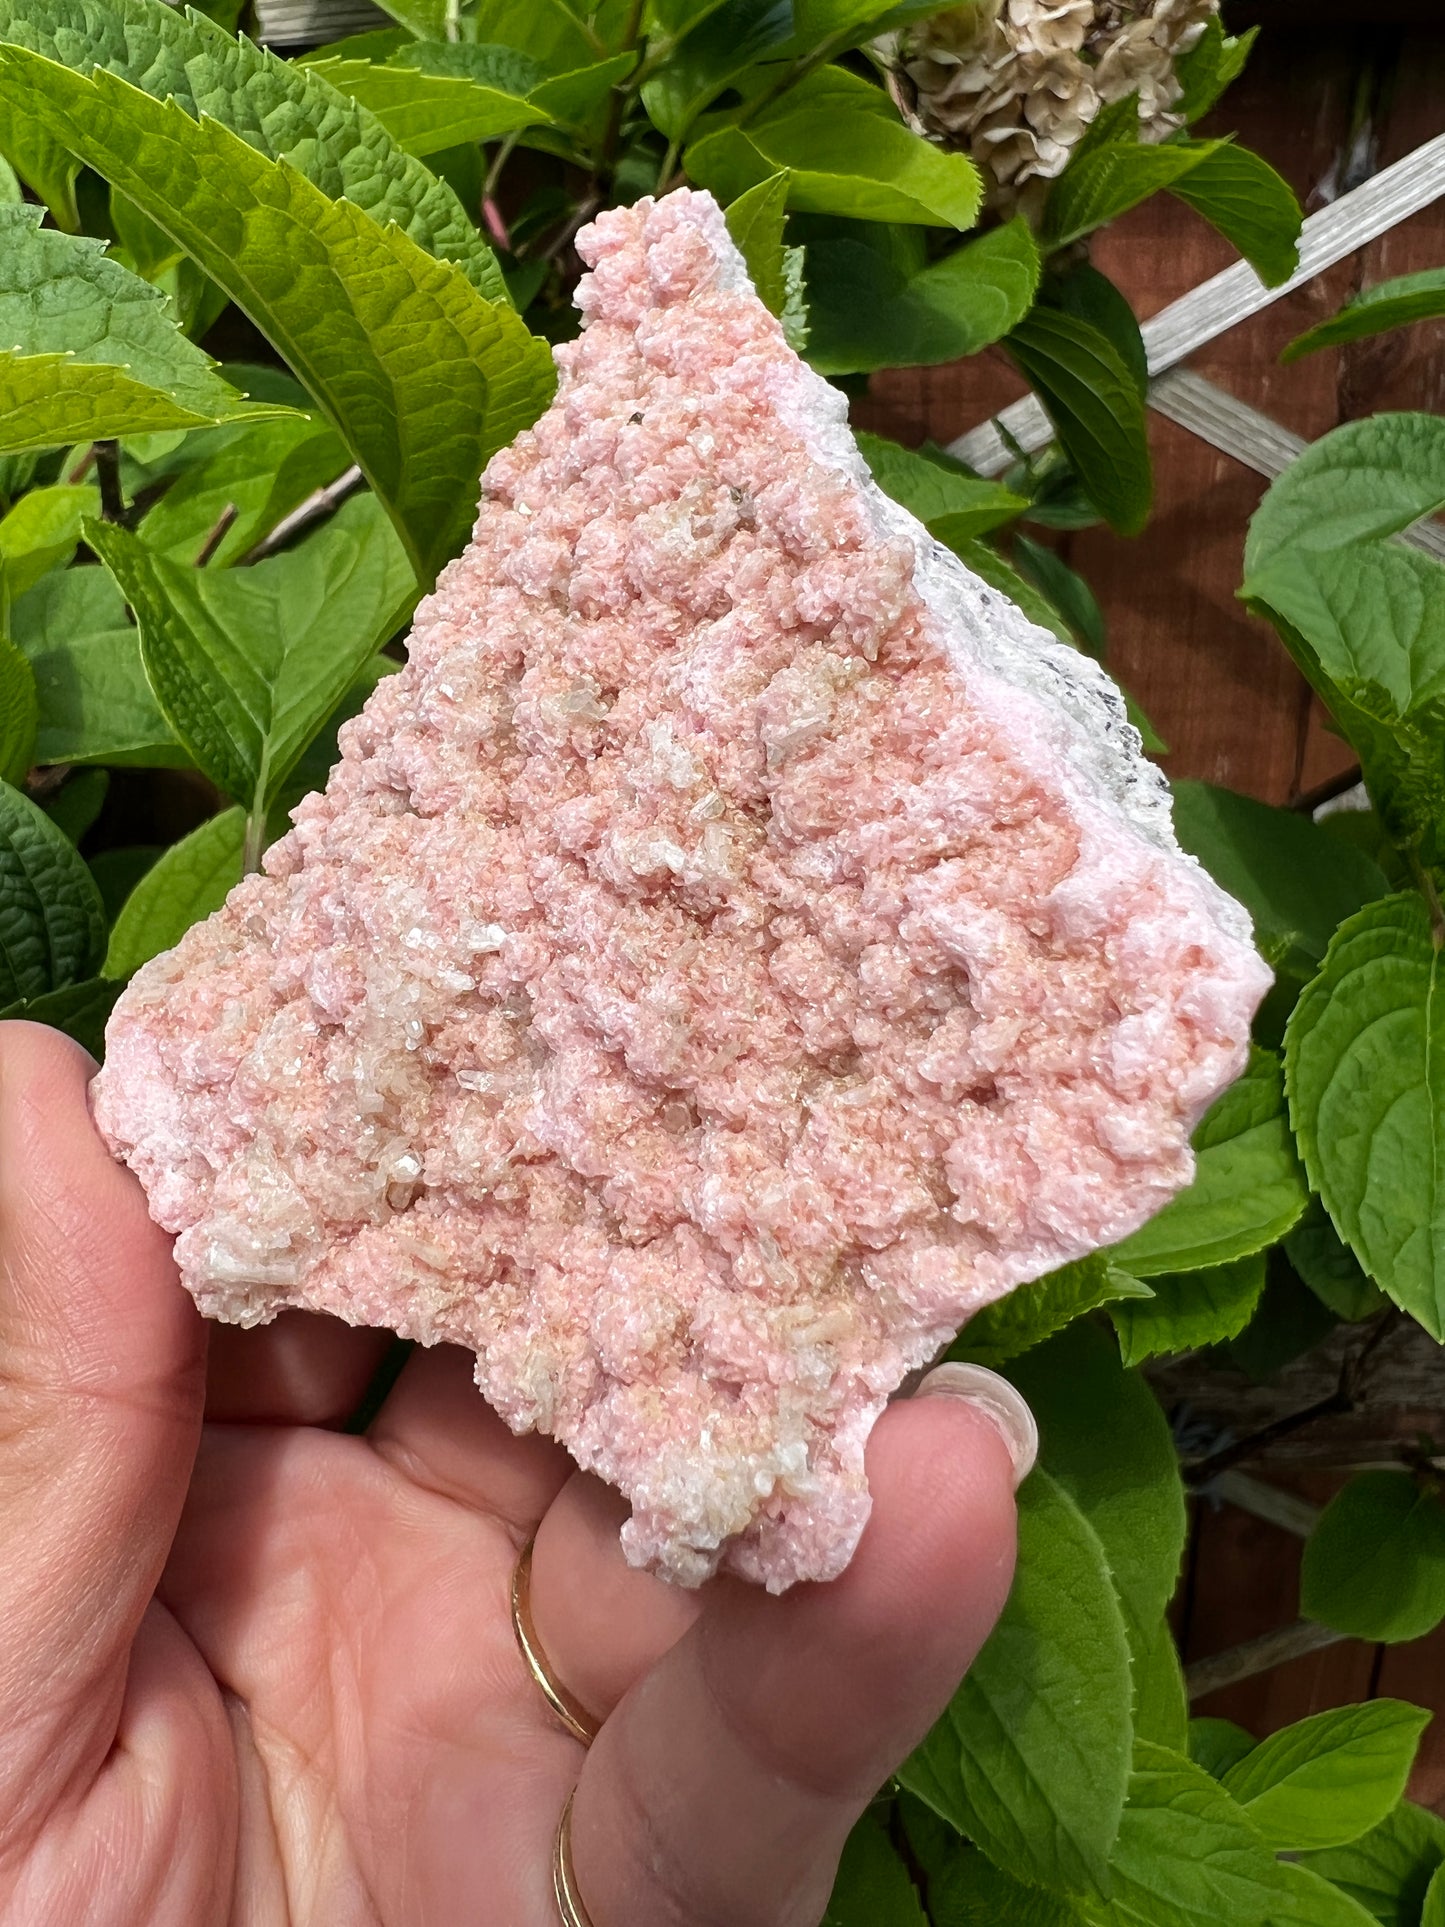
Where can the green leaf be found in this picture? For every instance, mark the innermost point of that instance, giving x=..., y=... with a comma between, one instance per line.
x=1365, y=1065
x=19, y=713
x=78, y=802
x=41, y=532
x=90, y=350
x=427, y=113
x=1106, y=182
x=424, y=379
x=279, y=108
x=1031, y=1759
x=1374, y=1567
x=719, y=48
x=1161, y=1699
x=1369, y=478
x=1186, y=1855
x=52, y=927
x=41, y=163
x=1289, y=1322
x=1067, y=592
x=970, y=1891
x=80, y=1010
x=1034, y=1312
x=1330, y=1268
x=1326, y=1780
x=845, y=151
x=1190, y=1310
x=1254, y=207
x=865, y=311
x=1217, y=1745
x=951, y=503
x=95, y=703
x=191, y=880
x=1303, y=1899
x=1389, y=304
x=261, y=472
x=1123, y=1476
x=990, y=567
x=1248, y=1187
x=248, y=663
x=1213, y=63
x=755, y=222
x=1433, y=1913
x=1389, y=1870
x=1296, y=880
x=872, y=1888
x=1095, y=407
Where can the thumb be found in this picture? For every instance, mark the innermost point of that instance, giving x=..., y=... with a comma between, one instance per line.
x=101, y=1384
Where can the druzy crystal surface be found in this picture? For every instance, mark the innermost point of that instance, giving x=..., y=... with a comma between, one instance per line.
x=735, y=947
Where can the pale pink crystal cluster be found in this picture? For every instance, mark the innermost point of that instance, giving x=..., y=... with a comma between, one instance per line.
x=734, y=949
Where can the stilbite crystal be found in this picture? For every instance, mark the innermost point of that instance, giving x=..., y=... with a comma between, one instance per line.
x=735, y=948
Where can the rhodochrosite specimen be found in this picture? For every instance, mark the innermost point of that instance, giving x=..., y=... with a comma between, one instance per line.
x=736, y=947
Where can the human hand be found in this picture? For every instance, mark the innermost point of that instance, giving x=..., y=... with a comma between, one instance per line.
x=255, y=1672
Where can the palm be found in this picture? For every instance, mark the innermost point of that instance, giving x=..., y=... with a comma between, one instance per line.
x=260, y=1673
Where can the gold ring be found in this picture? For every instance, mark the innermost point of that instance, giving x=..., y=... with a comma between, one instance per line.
x=571, y=1712
x=564, y=1874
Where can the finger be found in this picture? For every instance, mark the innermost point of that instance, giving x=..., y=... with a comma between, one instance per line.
x=601, y=1623
x=101, y=1377
x=439, y=1431
x=720, y=1792
x=303, y=1369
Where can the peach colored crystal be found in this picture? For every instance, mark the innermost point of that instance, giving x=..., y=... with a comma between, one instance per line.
x=734, y=949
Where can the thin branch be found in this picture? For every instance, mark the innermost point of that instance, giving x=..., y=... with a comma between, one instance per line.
x=491, y=213
x=1257, y=1656
x=107, y=473
x=320, y=503
x=218, y=534
x=1268, y=1502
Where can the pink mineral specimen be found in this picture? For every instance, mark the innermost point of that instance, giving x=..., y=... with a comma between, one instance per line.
x=736, y=947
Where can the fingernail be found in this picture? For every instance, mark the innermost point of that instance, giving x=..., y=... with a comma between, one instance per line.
x=997, y=1400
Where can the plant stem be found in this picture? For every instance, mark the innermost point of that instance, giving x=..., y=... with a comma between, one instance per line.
x=321, y=502
x=217, y=535
x=107, y=473
x=491, y=213
x=1256, y=1656
x=620, y=93
x=255, y=841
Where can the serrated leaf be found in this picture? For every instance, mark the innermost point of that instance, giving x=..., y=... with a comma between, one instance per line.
x=1217, y=1745
x=1374, y=1567
x=19, y=713
x=1330, y=1269
x=1303, y=1899
x=1326, y=1780
x=952, y=504
x=1213, y=63
x=1248, y=1186
x=262, y=472
x=755, y=222
x=426, y=113
x=1161, y=1698
x=52, y=927
x=191, y=880
x=1389, y=1871
x=1365, y=1065
x=1096, y=410
x=1389, y=304
x=1296, y=880
x=1186, y=1855
x=1034, y=1312
x=95, y=703
x=1190, y=1310
x=866, y=312
x=872, y=1888
x=247, y=664
x=90, y=350
x=1369, y=478
x=80, y=1010
x=1031, y=1759
x=845, y=152
x=41, y=532
x=1238, y=192
x=1109, y=180
x=423, y=378
x=1123, y=1476
x=42, y=164
x=970, y=1891
x=277, y=107
x=721, y=44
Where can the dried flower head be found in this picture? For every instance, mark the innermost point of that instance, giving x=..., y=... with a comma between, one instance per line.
x=1016, y=82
